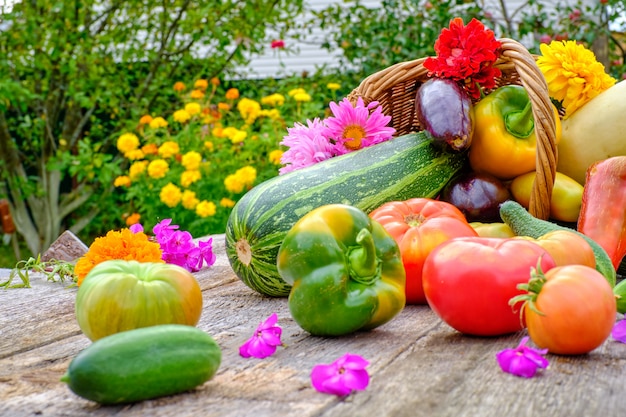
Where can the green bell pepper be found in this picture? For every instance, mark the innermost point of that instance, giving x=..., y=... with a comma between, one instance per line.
x=345, y=270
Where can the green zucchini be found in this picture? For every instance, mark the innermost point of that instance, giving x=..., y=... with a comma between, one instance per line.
x=144, y=363
x=405, y=167
x=524, y=224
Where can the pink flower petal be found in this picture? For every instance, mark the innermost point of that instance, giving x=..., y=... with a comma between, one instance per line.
x=264, y=341
x=522, y=361
x=619, y=331
x=341, y=377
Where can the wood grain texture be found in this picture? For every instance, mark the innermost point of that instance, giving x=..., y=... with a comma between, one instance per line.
x=419, y=366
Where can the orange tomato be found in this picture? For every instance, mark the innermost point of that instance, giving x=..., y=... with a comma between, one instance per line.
x=572, y=312
x=566, y=248
x=419, y=225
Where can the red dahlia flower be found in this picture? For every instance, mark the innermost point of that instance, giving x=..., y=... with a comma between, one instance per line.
x=466, y=54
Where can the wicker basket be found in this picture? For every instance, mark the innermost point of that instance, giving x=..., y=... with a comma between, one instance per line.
x=395, y=88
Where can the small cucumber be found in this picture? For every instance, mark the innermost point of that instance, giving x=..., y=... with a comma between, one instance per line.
x=524, y=224
x=144, y=363
x=620, y=294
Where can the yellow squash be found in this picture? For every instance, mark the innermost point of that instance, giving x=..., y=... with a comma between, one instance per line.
x=594, y=132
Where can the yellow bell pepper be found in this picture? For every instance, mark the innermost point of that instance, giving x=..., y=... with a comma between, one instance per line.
x=504, y=142
x=567, y=195
x=501, y=230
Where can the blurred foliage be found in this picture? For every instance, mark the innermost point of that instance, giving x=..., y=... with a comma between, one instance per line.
x=372, y=39
x=74, y=73
x=218, y=143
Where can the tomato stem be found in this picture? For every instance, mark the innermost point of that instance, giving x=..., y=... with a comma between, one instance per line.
x=533, y=288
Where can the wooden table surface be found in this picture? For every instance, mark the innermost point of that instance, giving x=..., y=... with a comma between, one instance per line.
x=419, y=366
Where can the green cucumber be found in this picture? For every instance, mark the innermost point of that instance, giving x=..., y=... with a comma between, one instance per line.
x=144, y=363
x=524, y=224
x=620, y=295
x=405, y=167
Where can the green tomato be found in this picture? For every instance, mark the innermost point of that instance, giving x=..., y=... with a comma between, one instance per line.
x=119, y=295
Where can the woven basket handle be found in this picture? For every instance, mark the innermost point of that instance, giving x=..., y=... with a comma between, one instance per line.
x=535, y=84
x=389, y=87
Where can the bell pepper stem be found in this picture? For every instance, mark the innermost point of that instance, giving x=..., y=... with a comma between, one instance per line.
x=364, y=265
x=520, y=123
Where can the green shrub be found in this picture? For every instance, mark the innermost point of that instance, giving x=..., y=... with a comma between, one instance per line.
x=195, y=161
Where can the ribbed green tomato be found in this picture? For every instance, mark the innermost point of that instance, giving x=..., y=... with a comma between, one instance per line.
x=119, y=295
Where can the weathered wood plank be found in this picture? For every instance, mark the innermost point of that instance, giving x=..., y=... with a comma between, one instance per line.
x=418, y=365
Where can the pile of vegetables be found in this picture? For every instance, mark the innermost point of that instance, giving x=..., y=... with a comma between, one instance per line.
x=298, y=234
x=436, y=217
x=454, y=197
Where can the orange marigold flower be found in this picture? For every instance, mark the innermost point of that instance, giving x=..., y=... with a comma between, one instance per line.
x=122, y=181
x=189, y=177
x=133, y=219
x=227, y=202
x=170, y=195
x=191, y=160
x=234, y=184
x=181, y=116
x=179, y=86
x=189, y=200
x=150, y=149
x=122, y=244
x=137, y=168
x=215, y=81
x=158, y=168
x=206, y=208
x=127, y=142
x=192, y=108
x=197, y=94
x=201, y=84
x=232, y=94
x=158, y=122
x=275, y=156
x=218, y=132
x=168, y=149
x=145, y=119
x=134, y=155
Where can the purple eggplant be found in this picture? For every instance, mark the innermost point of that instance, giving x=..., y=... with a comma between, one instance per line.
x=445, y=111
x=478, y=196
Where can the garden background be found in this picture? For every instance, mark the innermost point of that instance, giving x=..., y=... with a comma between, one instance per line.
x=115, y=112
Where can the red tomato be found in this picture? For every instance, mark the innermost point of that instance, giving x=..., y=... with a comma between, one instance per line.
x=418, y=225
x=468, y=282
x=579, y=310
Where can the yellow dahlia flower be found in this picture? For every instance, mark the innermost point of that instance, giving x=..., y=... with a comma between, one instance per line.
x=573, y=74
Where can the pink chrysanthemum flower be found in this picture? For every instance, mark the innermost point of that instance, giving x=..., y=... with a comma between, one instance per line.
x=353, y=127
x=307, y=146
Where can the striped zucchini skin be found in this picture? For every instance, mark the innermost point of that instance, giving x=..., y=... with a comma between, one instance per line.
x=404, y=167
